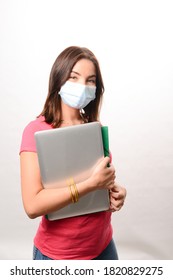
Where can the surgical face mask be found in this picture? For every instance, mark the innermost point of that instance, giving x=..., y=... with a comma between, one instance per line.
x=77, y=95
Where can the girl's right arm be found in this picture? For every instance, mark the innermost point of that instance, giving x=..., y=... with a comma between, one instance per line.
x=39, y=201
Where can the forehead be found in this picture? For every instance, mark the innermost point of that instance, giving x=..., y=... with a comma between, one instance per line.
x=84, y=66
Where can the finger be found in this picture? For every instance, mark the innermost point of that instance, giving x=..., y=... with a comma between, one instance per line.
x=121, y=190
x=116, y=202
x=111, y=168
x=111, y=209
x=110, y=185
x=115, y=195
x=114, y=208
x=111, y=172
x=116, y=187
x=105, y=161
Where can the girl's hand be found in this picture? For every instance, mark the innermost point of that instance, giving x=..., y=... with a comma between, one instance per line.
x=117, y=197
x=103, y=176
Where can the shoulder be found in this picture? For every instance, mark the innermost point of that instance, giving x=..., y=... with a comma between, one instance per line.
x=28, y=139
x=37, y=125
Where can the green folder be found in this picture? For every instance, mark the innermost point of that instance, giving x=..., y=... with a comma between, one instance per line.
x=105, y=137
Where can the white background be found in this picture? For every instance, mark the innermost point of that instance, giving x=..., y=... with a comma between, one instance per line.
x=133, y=40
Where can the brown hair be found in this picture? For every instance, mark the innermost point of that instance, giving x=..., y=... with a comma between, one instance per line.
x=59, y=74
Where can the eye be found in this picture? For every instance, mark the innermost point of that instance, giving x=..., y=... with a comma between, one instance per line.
x=91, y=81
x=73, y=78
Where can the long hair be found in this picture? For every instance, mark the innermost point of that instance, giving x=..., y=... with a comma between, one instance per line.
x=59, y=74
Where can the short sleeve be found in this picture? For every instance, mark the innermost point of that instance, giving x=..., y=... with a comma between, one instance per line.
x=28, y=143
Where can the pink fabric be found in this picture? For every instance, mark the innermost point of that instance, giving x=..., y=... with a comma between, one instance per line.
x=28, y=142
x=78, y=238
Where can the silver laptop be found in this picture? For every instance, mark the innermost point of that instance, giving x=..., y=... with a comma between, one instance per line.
x=67, y=152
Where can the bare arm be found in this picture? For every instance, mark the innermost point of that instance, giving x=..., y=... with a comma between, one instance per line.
x=39, y=201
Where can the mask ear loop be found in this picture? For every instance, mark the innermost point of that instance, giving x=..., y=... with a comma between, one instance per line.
x=83, y=116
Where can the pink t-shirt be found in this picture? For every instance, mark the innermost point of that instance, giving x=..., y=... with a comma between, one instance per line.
x=77, y=238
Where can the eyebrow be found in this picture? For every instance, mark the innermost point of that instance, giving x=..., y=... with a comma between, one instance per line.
x=91, y=76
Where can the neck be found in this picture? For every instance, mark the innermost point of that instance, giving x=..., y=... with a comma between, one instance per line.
x=70, y=116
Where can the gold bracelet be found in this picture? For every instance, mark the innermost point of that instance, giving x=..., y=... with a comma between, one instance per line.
x=72, y=197
x=76, y=194
x=73, y=191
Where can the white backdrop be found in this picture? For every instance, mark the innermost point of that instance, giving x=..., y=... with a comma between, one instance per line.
x=133, y=42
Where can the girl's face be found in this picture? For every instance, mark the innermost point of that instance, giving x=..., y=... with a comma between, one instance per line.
x=80, y=88
x=83, y=72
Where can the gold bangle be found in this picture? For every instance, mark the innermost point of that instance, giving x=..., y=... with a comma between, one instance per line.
x=73, y=191
x=72, y=197
x=76, y=194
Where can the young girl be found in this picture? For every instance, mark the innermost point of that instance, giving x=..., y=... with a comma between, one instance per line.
x=74, y=97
